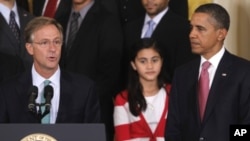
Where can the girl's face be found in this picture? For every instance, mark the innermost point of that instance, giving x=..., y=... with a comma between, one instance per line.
x=148, y=64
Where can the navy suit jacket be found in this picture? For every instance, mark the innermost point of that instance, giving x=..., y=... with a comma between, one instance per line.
x=78, y=100
x=228, y=101
x=9, y=44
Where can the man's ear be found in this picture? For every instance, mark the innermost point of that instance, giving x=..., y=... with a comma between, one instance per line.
x=29, y=48
x=222, y=34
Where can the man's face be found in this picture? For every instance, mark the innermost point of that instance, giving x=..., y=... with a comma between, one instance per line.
x=46, y=48
x=153, y=7
x=205, y=38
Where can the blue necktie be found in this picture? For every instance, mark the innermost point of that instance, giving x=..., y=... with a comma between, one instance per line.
x=46, y=118
x=150, y=29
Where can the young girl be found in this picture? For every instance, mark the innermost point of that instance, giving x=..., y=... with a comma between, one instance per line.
x=140, y=111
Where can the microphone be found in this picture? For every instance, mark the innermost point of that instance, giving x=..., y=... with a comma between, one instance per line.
x=32, y=103
x=48, y=94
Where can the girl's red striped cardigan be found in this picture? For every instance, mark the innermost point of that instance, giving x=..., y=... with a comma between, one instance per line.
x=129, y=127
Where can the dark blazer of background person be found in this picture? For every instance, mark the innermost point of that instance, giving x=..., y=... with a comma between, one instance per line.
x=78, y=100
x=9, y=44
x=9, y=66
x=172, y=36
x=63, y=7
x=228, y=101
x=130, y=10
x=96, y=53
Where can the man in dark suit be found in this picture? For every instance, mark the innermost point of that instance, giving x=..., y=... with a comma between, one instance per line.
x=75, y=99
x=8, y=43
x=95, y=52
x=227, y=100
x=170, y=31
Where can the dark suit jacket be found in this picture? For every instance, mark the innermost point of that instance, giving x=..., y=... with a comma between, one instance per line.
x=172, y=35
x=9, y=66
x=9, y=44
x=78, y=100
x=62, y=9
x=228, y=101
x=96, y=53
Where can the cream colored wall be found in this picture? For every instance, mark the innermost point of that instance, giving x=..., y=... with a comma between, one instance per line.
x=238, y=40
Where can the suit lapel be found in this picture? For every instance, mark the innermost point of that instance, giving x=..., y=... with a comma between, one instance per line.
x=193, y=75
x=220, y=78
x=65, y=97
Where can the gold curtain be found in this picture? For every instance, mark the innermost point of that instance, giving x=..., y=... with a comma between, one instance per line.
x=193, y=4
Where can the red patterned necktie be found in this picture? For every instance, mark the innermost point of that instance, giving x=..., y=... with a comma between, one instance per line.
x=203, y=88
x=50, y=8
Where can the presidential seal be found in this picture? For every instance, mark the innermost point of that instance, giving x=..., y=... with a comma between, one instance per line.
x=38, y=137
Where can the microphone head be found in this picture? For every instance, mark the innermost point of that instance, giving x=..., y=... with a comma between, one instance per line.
x=48, y=92
x=34, y=91
x=33, y=95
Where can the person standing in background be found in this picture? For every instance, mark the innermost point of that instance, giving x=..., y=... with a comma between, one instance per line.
x=13, y=21
x=167, y=28
x=93, y=47
x=130, y=10
x=217, y=93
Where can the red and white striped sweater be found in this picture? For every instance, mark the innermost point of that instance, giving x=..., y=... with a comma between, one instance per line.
x=132, y=128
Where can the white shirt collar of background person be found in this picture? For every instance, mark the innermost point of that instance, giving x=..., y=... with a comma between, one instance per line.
x=156, y=20
x=5, y=11
x=215, y=60
x=38, y=80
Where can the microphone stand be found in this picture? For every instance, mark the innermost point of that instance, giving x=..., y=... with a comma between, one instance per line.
x=39, y=113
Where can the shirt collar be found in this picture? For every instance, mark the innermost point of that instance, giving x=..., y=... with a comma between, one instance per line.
x=215, y=59
x=38, y=79
x=5, y=11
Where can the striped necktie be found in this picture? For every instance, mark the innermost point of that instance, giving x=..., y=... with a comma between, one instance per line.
x=72, y=30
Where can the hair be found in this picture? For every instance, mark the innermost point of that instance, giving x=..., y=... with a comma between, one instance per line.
x=217, y=12
x=136, y=100
x=36, y=24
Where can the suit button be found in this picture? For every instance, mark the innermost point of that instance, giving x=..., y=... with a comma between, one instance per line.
x=201, y=139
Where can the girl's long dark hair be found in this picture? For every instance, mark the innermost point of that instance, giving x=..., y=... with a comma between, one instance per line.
x=136, y=100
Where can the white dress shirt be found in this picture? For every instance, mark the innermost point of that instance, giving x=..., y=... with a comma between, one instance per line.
x=38, y=80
